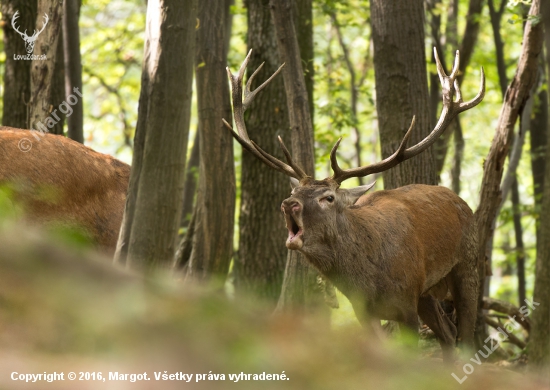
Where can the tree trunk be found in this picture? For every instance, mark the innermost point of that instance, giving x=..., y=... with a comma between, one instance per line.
x=152, y=214
x=73, y=67
x=514, y=101
x=539, y=140
x=260, y=264
x=17, y=73
x=303, y=26
x=57, y=90
x=401, y=86
x=190, y=185
x=215, y=207
x=539, y=341
x=42, y=70
x=300, y=281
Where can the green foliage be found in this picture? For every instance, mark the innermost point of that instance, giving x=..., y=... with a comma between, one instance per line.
x=112, y=34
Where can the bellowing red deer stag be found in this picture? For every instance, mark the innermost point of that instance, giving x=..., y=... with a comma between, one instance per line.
x=391, y=253
x=59, y=180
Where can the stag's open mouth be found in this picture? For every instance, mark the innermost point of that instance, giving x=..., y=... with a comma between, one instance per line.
x=295, y=233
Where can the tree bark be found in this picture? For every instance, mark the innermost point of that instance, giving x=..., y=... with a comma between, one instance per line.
x=42, y=70
x=539, y=342
x=539, y=140
x=190, y=185
x=153, y=207
x=471, y=31
x=514, y=101
x=57, y=91
x=401, y=87
x=215, y=207
x=303, y=26
x=496, y=17
x=300, y=281
x=260, y=263
x=17, y=73
x=73, y=67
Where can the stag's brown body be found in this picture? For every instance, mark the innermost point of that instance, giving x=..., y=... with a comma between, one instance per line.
x=391, y=252
x=62, y=181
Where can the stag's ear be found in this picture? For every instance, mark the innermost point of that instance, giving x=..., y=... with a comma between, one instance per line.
x=294, y=183
x=357, y=192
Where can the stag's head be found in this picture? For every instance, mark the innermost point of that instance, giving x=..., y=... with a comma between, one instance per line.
x=29, y=41
x=313, y=210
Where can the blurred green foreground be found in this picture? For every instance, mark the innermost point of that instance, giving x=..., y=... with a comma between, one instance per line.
x=69, y=310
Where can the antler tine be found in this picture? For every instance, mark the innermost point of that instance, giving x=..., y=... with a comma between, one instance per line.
x=478, y=98
x=46, y=19
x=334, y=161
x=440, y=71
x=241, y=135
x=289, y=159
x=456, y=65
x=14, y=18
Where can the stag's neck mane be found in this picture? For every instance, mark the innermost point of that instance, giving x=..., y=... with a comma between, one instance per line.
x=340, y=255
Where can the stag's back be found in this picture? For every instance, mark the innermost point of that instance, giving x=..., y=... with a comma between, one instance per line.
x=434, y=224
x=60, y=180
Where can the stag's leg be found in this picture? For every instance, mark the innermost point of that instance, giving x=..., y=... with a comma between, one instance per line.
x=463, y=285
x=433, y=315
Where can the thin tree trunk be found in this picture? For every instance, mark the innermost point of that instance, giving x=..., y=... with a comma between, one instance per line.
x=156, y=184
x=300, y=280
x=42, y=70
x=303, y=26
x=496, y=17
x=520, y=247
x=354, y=92
x=215, y=206
x=401, y=87
x=539, y=140
x=57, y=90
x=539, y=341
x=509, y=181
x=260, y=263
x=190, y=185
x=17, y=73
x=469, y=39
x=73, y=67
x=516, y=96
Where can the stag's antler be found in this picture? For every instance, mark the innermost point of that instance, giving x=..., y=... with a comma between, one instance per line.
x=15, y=16
x=46, y=19
x=292, y=169
x=450, y=110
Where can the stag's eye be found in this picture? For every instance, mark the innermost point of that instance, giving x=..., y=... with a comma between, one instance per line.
x=330, y=198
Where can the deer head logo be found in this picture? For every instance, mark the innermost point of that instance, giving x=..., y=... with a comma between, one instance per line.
x=29, y=41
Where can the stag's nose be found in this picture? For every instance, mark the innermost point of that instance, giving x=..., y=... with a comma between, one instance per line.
x=291, y=205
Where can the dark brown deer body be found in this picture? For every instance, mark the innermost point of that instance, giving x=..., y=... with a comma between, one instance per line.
x=392, y=253
x=62, y=181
